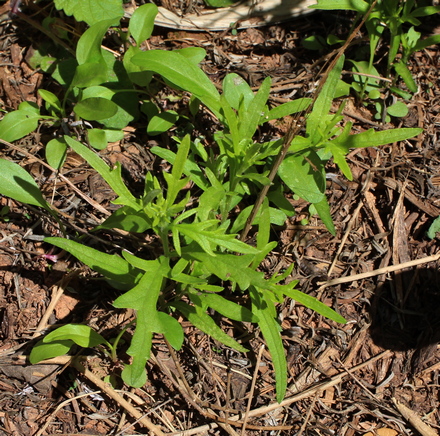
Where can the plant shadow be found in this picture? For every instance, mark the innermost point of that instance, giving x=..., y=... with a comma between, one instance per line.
x=405, y=314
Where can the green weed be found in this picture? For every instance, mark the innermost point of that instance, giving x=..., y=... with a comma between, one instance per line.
x=202, y=265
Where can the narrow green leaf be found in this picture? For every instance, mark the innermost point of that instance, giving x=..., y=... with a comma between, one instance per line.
x=255, y=111
x=51, y=99
x=208, y=239
x=313, y=303
x=285, y=109
x=190, y=169
x=112, y=177
x=403, y=71
x=323, y=209
x=324, y=101
x=372, y=138
x=175, y=183
x=228, y=308
x=351, y=5
x=109, y=265
x=200, y=319
x=271, y=332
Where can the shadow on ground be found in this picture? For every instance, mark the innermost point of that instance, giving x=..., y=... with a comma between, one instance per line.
x=405, y=314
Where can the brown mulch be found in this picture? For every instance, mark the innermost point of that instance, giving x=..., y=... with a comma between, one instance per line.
x=379, y=371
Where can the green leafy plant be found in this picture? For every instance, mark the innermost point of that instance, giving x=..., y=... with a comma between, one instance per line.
x=201, y=265
x=392, y=17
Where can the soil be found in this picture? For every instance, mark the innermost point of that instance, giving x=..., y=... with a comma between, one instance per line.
x=377, y=373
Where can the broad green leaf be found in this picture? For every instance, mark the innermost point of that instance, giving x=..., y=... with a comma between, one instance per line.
x=193, y=54
x=42, y=351
x=97, y=138
x=141, y=23
x=228, y=308
x=162, y=122
x=304, y=174
x=112, y=177
x=143, y=298
x=55, y=151
x=109, y=265
x=90, y=74
x=137, y=74
x=16, y=183
x=285, y=109
x=17, y=124
x=92, y=11
x=200, y=319
x=95, y=108
x=181, y=72
x=82, y=335
x=271, y=332
x=434, y=228
x=126, y=103
x=398, y=109
x=133, y=376
x=237, y=91
x=171, y=329
x=88, y=49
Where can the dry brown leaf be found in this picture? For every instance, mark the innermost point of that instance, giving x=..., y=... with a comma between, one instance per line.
x=382, y=432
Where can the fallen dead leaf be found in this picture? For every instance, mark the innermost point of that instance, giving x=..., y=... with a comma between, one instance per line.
x=382, y=432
